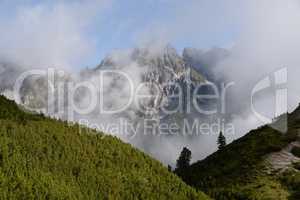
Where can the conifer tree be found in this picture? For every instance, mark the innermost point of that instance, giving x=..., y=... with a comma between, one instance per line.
x=221, y=141
x=184, y=159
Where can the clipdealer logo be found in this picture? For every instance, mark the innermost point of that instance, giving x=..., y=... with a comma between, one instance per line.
x=278, y=81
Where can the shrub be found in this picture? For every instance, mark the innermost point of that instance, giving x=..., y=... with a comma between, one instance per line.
x=296, y=151
x=43, y=158
x=296, y=165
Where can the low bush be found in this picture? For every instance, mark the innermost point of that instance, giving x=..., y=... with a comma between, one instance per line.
x=296, y=151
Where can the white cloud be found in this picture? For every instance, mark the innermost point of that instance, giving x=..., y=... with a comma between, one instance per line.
x=269, y=38
x=48, y=34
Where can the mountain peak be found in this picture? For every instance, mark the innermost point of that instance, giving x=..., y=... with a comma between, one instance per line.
x=152, y=56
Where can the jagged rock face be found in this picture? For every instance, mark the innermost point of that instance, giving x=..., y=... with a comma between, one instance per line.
x=164, y=63
x=205, y=61
x=168, y=57
x=163, y=66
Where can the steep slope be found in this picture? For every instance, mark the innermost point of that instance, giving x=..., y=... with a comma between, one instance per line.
x=245, y=169
x=282, y=160
x=42, y=158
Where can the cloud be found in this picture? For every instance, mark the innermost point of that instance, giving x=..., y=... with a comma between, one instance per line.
x=267, y=39
x=265, y=35
x=49, y=34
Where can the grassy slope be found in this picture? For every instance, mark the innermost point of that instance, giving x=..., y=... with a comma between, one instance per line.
x=238, y=172
x=41, y=158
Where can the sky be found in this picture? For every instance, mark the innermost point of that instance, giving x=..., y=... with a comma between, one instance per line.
x=81, y=33
x=262, y=37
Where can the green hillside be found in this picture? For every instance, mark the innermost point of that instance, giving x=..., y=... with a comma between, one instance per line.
x=240, y=170
x=42, y=158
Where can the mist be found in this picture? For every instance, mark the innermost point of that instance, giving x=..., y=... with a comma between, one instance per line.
x=49, y=34
x=267, y=39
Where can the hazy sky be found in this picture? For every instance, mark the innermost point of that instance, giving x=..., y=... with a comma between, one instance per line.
x=263, y=36
x=80, y=33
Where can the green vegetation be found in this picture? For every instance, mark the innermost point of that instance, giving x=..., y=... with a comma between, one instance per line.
x=291, y=179
x=11, y=111
x=184, y=159
x=221, y=141
x=42, y=158
x=296, y=165
x=238, y=170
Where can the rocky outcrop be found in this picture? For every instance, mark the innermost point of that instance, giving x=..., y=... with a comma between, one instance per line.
x=282, y=160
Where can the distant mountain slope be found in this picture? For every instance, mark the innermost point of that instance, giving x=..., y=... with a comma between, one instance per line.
x=243, y=169
x=170, y=81
x=164, y=64
x=42, y=158
x=205, y=61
